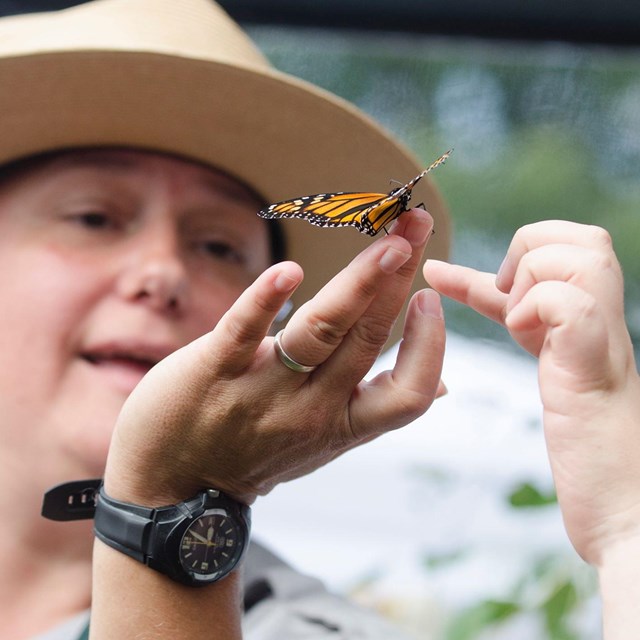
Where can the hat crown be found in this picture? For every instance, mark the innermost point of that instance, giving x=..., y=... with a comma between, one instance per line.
x=178, y=28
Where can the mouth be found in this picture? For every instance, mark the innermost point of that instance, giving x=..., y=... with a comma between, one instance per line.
x=123, y=366
x=120, y=360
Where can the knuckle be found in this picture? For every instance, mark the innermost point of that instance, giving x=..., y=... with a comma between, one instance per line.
x=266, y=303
x=241, y=332
x=325, y=332
x=600, y=237
x=374, y=332
x=412, y=404
x=586, y=308
x=601, y=262
x=367, y=288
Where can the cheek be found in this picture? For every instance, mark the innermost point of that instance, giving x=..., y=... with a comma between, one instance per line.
x=47, y=292
x=45, y=302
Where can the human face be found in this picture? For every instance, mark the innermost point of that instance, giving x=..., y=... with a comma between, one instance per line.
x=109, y=261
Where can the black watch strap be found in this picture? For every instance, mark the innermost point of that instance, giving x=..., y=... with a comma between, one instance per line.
x=72, y=500
x=124, y=526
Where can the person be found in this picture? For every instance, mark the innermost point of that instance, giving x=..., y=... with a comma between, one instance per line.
x=559, y=293
x=141, y=297
x=140, y=138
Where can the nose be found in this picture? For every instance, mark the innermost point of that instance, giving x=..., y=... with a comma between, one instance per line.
x=154, y=273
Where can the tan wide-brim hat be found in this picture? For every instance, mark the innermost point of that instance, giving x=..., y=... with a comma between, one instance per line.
x=181, y=77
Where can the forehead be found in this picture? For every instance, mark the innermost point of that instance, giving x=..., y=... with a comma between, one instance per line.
x=131, y=163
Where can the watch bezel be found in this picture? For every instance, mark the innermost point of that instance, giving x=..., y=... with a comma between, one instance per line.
x=173, y=544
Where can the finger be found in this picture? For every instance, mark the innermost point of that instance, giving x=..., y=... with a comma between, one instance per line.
x=547, y=232
x=476, y=289
x=576, y=334
x=594, y=270
x=319, y=326
x=368, y=335
x=242, y=329
x=395, y=398
x=442, y=389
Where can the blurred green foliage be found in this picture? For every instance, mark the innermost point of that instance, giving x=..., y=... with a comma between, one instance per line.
x=545, y=131
x=528, y=495
x=539, y=131
x=551, y=591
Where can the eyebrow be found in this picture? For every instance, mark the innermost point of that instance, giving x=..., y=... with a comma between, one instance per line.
x=117, y=161
x=95, y=158
x=231, y=188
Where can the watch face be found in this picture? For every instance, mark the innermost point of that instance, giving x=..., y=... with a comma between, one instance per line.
x=211, y=546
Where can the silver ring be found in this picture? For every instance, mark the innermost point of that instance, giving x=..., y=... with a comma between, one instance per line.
x=287, y=360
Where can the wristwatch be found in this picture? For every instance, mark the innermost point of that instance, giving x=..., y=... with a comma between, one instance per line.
x=195, y=542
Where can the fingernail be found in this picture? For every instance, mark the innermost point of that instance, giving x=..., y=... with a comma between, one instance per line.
x=284, y=283
x=503, y=272
x=418, y=231
x=392, y=260
x=429, y=304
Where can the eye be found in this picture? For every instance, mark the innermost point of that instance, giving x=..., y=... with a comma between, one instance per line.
x=95, y=220
x=223, y=250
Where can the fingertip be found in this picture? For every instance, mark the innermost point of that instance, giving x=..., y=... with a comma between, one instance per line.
x=442, y=389
x=431, y=266
x=288, y=277
x=415, y=225
x=429, y=303
x=284, y=284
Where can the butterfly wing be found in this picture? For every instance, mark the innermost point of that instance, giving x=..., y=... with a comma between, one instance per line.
x=367, y=212
x=383, y=213
x=329, y=209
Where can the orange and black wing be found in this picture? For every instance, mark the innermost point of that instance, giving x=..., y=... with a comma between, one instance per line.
x=367, y=212
x=330, y=209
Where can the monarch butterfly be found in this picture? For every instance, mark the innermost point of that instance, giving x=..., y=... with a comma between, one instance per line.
x=367, y=212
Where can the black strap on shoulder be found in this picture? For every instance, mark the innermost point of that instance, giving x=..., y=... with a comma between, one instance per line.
x=72, y=500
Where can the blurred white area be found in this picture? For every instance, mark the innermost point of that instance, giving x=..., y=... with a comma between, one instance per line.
x=366, y=522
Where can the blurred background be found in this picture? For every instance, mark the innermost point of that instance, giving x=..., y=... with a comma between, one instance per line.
x=450, y=526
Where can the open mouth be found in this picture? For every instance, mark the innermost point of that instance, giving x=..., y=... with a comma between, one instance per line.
x=122, y=368
x=121, y=360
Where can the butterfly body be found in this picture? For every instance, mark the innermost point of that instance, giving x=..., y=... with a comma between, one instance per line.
x=368, y=212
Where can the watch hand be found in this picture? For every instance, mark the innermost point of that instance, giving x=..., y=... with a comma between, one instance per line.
x=199, y=537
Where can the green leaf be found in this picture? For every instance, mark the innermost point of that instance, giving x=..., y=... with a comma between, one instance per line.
x=526, y=495
x=441, y=560
x=471, y=621
x=557, y=607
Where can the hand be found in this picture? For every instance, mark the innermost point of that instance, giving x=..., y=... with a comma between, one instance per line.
x=225, y=412
x=559, y=293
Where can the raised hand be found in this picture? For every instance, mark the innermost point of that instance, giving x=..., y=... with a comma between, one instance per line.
x=559, y=293
x=226, y=412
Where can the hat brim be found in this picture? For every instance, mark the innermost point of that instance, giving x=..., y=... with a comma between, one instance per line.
x=280, y=135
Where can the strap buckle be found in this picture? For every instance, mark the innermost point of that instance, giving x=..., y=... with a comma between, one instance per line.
x=72, y=500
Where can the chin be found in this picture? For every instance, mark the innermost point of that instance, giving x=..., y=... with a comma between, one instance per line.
x=86, y=449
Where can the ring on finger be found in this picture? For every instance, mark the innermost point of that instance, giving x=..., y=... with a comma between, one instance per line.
x=287, y=360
